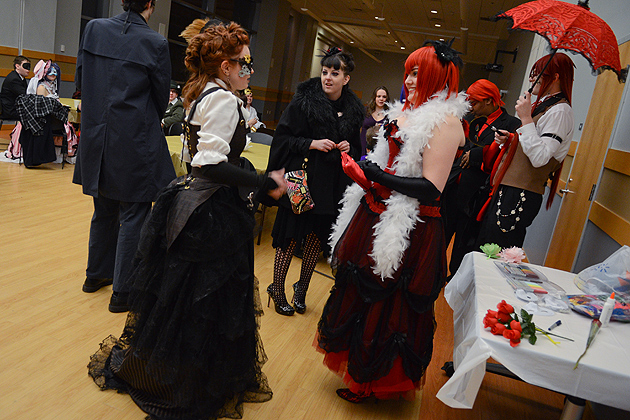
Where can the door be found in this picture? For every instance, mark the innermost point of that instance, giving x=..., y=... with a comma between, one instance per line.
x=581, y=182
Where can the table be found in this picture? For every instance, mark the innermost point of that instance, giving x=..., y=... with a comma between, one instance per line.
x=602, y=375
x=74, y=115
x=258, y=155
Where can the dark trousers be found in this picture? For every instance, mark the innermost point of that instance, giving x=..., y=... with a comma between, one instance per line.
x=114, y=235
x=491, y=231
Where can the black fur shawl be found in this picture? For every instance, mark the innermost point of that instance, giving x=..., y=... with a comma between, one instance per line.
x=312, y=116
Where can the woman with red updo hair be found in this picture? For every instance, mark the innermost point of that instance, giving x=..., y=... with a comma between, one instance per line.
x=190, y=348
x=389, y=257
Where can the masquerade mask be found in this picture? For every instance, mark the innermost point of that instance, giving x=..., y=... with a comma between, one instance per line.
x=52, y=72
x=26, y=65
x=247, y=91
x=247, y=65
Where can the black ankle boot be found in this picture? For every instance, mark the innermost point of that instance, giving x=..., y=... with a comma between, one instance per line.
x=279, y=302
x=299, y=299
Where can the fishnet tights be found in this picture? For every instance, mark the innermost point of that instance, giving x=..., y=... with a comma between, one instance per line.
x=310, y=255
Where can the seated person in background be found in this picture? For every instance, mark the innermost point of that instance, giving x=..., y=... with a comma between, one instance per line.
x=174, y=112
x=252, y=119
x=13, y=86
x=45, y=82
x=370, y=139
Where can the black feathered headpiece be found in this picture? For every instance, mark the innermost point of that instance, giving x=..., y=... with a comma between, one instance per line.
x=446, y=54
x=330, y=52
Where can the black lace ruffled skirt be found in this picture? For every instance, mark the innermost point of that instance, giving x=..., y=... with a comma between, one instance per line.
x=190, y=348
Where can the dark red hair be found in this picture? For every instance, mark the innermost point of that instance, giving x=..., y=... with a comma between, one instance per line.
x=207, y=51
x=433, y=75
x=561, y=64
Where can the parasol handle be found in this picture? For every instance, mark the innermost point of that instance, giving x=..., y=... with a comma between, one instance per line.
x=542, y=71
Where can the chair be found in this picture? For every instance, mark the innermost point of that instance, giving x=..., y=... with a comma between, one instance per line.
x=261, y=138
x=175, y=129
x=266, y=130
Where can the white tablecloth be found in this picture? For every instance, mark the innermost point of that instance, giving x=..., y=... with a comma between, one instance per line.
x=602, y=376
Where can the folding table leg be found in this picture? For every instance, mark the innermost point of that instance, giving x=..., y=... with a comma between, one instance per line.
x=573, y=408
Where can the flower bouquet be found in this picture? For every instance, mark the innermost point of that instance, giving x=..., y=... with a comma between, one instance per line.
x=504, y=321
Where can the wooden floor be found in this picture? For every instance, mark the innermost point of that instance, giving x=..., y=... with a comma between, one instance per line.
x=49, y=328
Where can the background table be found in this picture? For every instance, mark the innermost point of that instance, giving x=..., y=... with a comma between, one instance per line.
x=258, y=155
x=74, y=115
x=603, y=375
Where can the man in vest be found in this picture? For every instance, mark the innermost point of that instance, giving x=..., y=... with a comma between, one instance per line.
x=523, y=163
x=487, y=109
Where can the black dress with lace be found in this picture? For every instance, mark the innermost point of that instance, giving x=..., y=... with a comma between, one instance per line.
x=190, y=348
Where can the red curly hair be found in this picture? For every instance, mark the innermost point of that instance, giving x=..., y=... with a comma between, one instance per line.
x=206, y=52
x=433, y=75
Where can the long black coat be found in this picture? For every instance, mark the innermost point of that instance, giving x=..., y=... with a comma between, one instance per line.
x=312, y=116
x=12, y=87
x=123, y=72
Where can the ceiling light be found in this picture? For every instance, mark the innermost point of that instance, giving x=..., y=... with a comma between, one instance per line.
x=382, y=15
x=434, y=12
x=437, y=25
x=352, y=42
x=441, y=39
x=304, y=9
x=395, y=41
x=402, y=48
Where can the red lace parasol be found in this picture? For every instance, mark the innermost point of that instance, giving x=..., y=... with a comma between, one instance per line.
x=570, y=27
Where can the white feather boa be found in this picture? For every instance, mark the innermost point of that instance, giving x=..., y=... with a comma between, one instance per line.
x=391, y=232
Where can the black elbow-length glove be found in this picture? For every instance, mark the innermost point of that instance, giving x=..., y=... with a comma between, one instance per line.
x=419, y=188
x=226, y=173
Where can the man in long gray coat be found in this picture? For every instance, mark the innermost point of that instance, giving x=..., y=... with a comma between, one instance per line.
x=123, y=72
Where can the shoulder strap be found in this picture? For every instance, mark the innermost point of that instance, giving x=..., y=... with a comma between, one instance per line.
x=199, y=98
x=190, y=133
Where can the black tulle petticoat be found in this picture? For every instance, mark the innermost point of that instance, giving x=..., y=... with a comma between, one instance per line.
x=190, y=348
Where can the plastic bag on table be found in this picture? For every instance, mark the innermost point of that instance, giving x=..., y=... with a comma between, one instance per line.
x=612, y=275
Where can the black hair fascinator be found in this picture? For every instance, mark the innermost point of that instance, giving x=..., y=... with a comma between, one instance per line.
x=210, y=23
x=445, y=53
x=330, y=52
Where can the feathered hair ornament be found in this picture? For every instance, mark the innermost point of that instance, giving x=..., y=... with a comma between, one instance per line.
x=446, y=54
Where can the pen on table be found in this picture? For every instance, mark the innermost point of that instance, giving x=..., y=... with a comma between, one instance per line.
x=554, y=325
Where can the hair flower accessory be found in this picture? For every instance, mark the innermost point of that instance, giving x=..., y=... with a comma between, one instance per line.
x=514, y=255
x=446, y=54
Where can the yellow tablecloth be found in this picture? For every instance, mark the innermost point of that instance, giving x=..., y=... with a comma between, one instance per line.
x=258, y=155
x=74, y=115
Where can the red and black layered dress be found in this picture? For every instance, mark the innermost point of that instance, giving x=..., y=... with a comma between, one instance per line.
x=377, y=326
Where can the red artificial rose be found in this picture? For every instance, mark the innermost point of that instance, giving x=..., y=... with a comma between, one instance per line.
x=490, y=319
x=504, y=312
x=513, y=335
x=516, y=326
x=504, y=317
x=493, y=314
x=503, y=306
x=498, y=329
